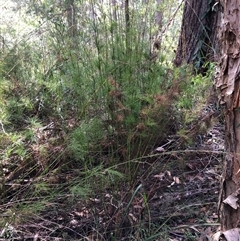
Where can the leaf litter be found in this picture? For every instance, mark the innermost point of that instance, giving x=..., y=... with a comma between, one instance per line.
x=178, y=197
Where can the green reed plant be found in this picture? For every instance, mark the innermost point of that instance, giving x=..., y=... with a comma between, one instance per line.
x=108, y=99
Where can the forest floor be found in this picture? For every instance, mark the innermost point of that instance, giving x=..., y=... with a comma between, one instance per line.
x=174, y=198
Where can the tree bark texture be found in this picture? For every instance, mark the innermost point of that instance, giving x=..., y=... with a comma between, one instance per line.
x=197, y=42
x=228, y=81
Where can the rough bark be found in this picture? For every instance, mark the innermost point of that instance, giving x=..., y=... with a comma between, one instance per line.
x=226, y=50
x=197, y=42
x=228, y=81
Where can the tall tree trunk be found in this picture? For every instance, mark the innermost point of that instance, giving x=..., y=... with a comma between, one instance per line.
x=128, y=25
x=72, y=22
x=114, y=11
x=226, y=23
x=157, y=36
x=197, y=42
x=228, y=81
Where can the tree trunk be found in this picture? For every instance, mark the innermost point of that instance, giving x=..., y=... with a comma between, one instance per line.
x=228, y=81
x=226, y=50
x=114, y=10
x=72, y=22
x=157, y=36
x=197, y=42
x=128, y=25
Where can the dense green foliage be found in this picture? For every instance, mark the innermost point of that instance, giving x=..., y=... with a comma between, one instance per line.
x=84, y=96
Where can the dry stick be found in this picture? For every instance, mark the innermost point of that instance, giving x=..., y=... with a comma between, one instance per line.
x=171, y=19
x=196, y=225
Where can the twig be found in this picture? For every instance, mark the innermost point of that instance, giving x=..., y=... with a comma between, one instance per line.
x=192, y=226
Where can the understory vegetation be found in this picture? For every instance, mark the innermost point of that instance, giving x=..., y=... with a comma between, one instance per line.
x=91, y=106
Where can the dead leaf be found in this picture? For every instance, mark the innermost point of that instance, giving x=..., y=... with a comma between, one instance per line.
x=190, y=166
x=137, y=207
x=176, y=180
x=168, y=173
x=133, y=217
x=96, y=200
x=211, y=171
x=232, y=234
x=171, y=184
x=108, y=195
x=160, y=149
x=200, y=178
x=160, y=176
x=231, y=200
x=216, y=236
